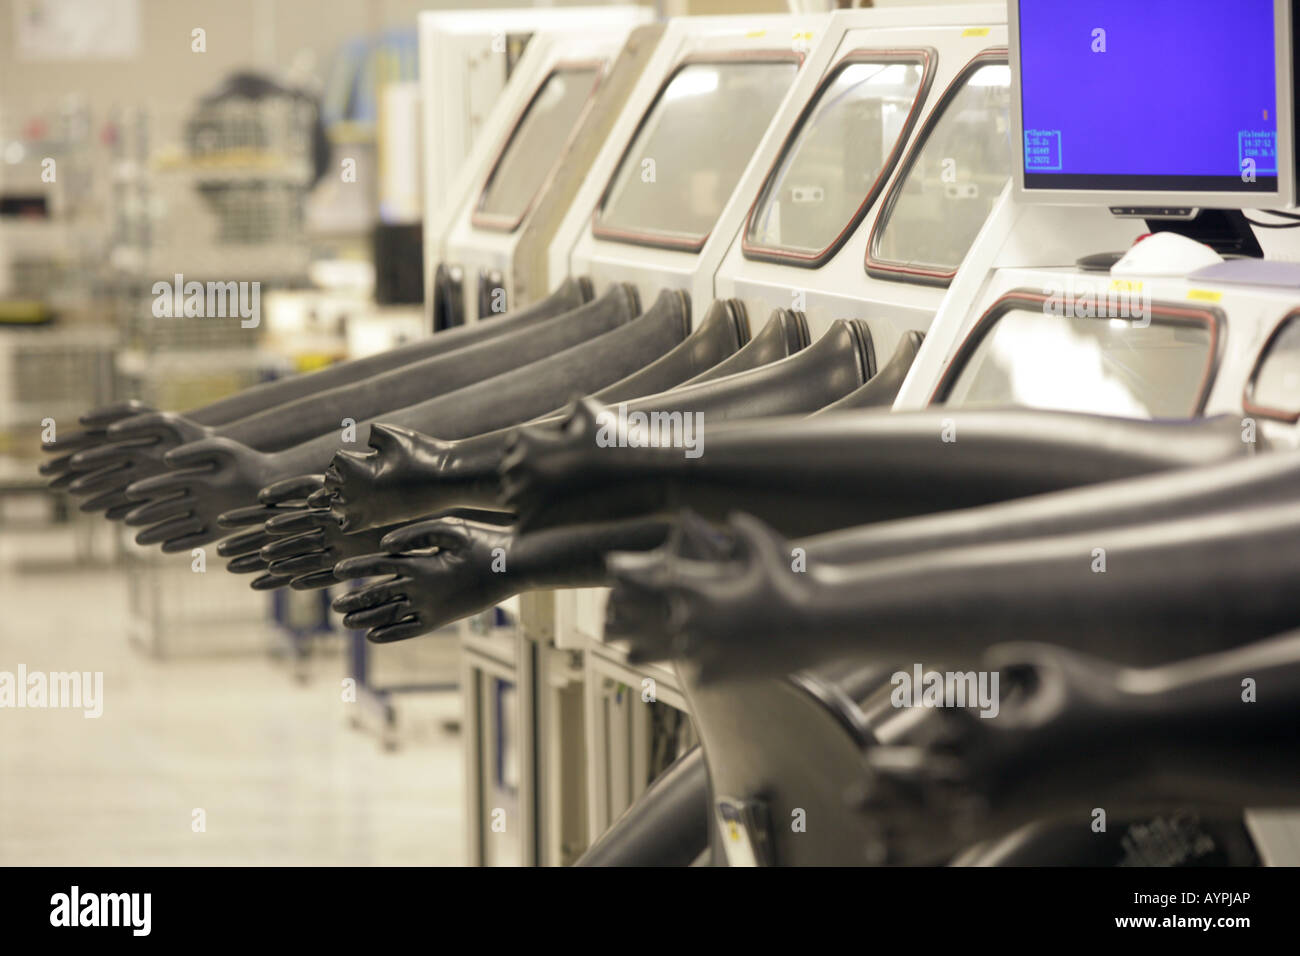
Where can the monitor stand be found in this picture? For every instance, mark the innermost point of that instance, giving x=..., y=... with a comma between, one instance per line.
x=1226, y=231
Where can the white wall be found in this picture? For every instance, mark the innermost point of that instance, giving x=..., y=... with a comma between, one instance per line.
x=166, y=75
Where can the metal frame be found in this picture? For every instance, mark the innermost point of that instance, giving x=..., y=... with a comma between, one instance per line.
x=613, y=772
x=483, y=658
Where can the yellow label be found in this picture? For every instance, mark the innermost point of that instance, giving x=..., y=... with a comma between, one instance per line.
x=754, y=34
x=312, y=361
x=23, y=310
x=1125, y=285
x=1204, y=295
x=975, y=32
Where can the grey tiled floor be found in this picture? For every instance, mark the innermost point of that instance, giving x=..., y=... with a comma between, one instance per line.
x=280, y=774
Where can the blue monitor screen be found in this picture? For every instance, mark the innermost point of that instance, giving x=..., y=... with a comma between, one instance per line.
x=1149, y=95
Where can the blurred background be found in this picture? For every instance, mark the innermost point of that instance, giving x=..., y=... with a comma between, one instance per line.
x=147, y=138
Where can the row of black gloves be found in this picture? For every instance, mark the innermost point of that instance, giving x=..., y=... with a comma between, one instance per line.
x=1152, y=564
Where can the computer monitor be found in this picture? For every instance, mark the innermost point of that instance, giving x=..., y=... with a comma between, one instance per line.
x=1154, y=108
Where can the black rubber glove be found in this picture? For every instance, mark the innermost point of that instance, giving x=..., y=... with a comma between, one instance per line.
x=642, y=609
x=305, y=543
x=1178, y=493
x=215, y=475
x=476, y=566
x=134, y=451
x=1168, y=589
x=1167, y=495
x=137, y=445
x=720, y=716
x=286, y=497
x=781, y=390
x=291, y=423
x=853, y=467
x=447, y=584
x=308, y=544
x=668, y=825
x=571, y=294
x=881, y=390
x=92, y=434
x=408, y=474
x=141, y=451
x=179, y=508
x=1072, y=732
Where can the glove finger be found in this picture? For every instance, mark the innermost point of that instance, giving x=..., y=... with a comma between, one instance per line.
x=268, y=582
x=377, y=616
x=290, y=489
x=188, y=542
x=371, y=595
x=301, y=520
x=245, y=542
x=152, y=512
x=314, y=581
x=277, y=549
x=246, y=564
x=159, y=533
x=401, y=631
x=369, y=566
x=303, y=563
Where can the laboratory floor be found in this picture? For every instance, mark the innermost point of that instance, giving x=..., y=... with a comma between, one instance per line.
x=273, y=764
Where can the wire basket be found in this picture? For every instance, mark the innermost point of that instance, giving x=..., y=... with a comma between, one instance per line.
x=55, y=373
x=220, y=190
x=174, y=377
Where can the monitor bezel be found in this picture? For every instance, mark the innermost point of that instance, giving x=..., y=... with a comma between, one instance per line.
x=1155, y=199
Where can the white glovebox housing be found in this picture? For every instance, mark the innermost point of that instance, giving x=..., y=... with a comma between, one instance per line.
x=480, y=245
x=468, y=106
x=577, y=250
x=840, y=286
